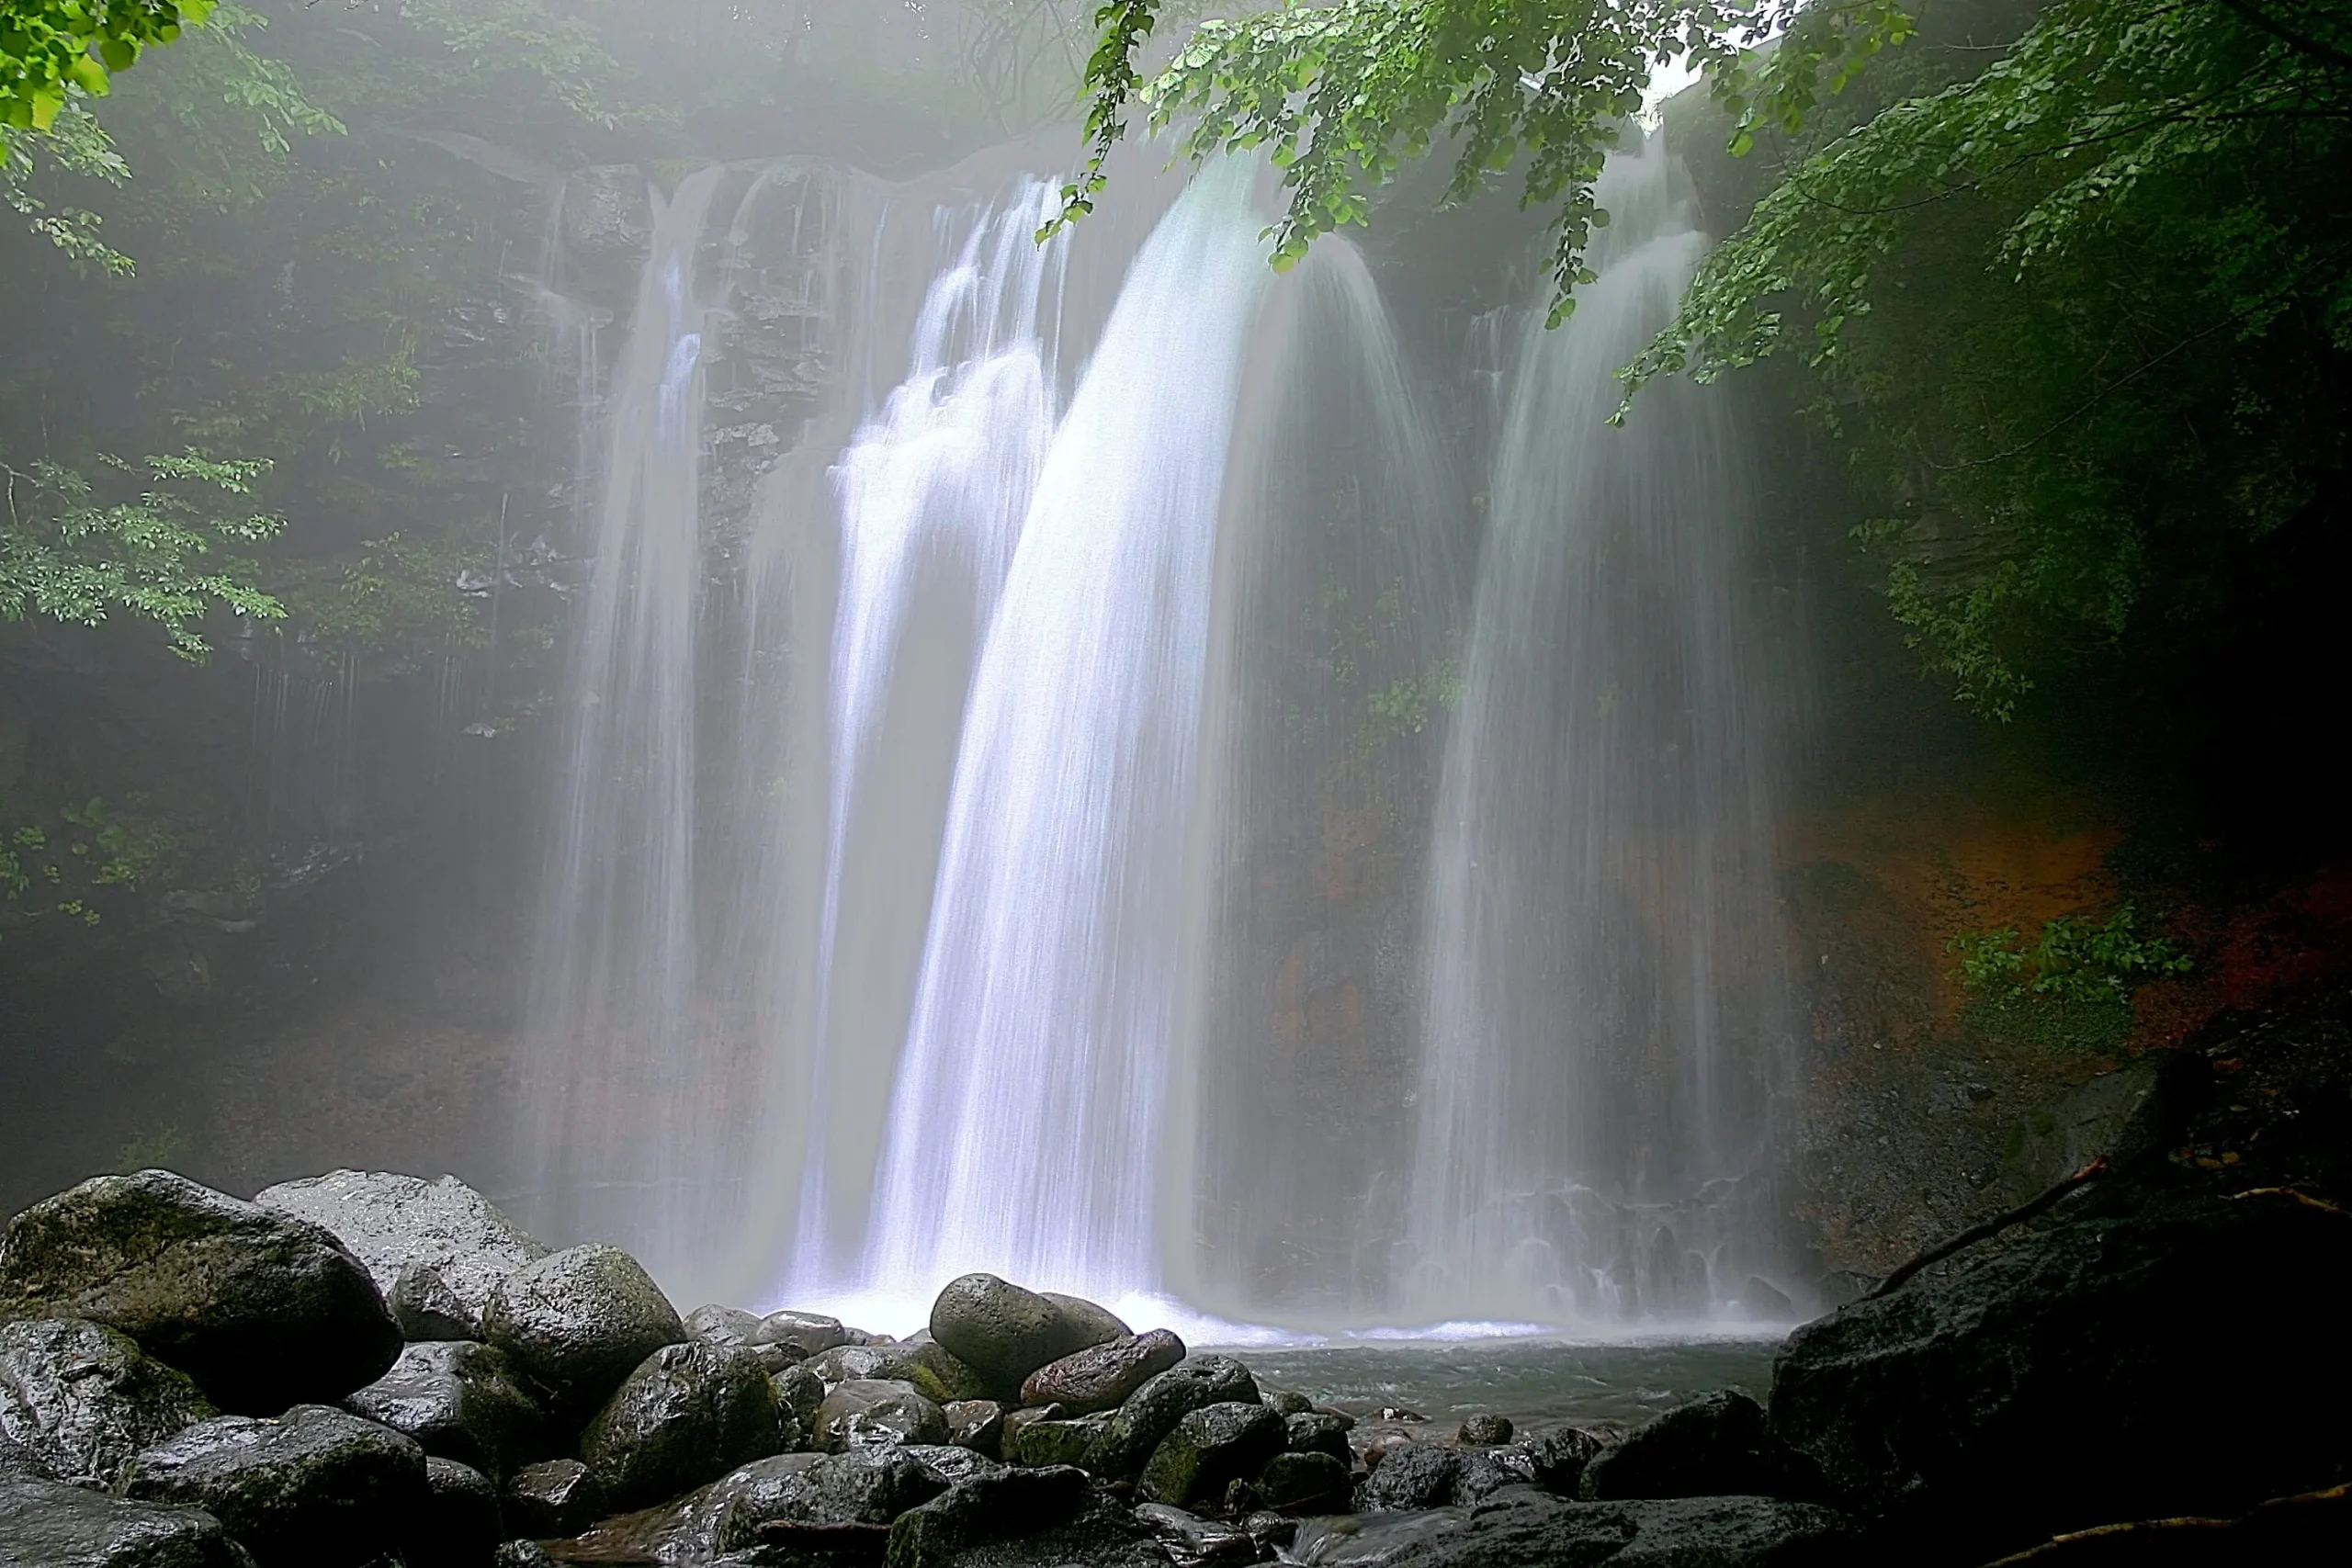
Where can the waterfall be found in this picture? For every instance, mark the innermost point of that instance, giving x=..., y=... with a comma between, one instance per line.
x=614, y=1022
x=1025, y=1130
x=1033, y=798
x=931, y=495
x=1604, y=1021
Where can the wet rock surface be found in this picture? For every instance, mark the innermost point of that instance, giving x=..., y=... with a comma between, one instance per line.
x=1101, y=1377
x=984, y=1511
x=1209, y=1449
x=555, y=1498
x=1526, y=1528
x=263, y=1310
x=688, y=1415
x=1713, y=1446
x=451, y=1234
x=47, y=1524
x=77, y=1399
x=1004, y=1332
x=1153, y=1410
x=2044, y=1383
x=458, y=1400
x=865, y=1411
x=577, y=1322
x=314, y=1488
x=460, y=1527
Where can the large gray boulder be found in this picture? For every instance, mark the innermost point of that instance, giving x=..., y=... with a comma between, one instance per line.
x=46, y=1524
x=1004, y=1332
x=867, y=1411
x=78, y=1399
x=1054, y=1442
x=460, y=1401
x=930, y=1367
x=1303, y=1484
x=579, y=1321
x=751, y=1495
x=2043, y=1382
x=688, y=1415
x=555, y=1498
x=318, y=1488
x=460, y=1527
x=1413, y=1477
x=262, y=1309
x=1527, y=1528
x=986, y=1509
x=804, y=1333
x=1153, y=1410
x=1101, y=1377
x=1710, y=1446
x=1319, y=1432
x=1088, y=1322
x=987, y=1529
x=1209, y=1449
x=864, y=1486
x=442, y=1232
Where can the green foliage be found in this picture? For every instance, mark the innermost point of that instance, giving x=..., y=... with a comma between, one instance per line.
x=397, y=602
x=170, y=553
x=2075, y=960
x=65, y=862
x=2080, y=321
x=1342, y=95
x=51, y=50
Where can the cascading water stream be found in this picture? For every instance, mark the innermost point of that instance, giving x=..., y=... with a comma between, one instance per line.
x=1604, y=1018
x=1025, y=1132
x=931, y=495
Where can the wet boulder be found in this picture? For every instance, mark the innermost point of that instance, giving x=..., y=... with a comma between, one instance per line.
x=930, y=1367
x=1193, y=1541
x=864, y=1486
x=460, y=1527
x=953, y=1464
x=48, y=1524
x=1557, y=1458
x=1088, y=1322
x=575, y=1323
x=752, y=1495
x=688, y=1415
x=1713, y=1445
x=1101, y=1377
x=78, y=1399
x=427, y=1309
x=974, y=1514
x=805, y=1334
x=865, y=1411
x=1319, y=1432
x=2043, y=1383
x=1004, y=1332
x=263, y=1310
x=1286, y=1402
x=389, y=1221
x=1152, y=1411
x=1412, y=1477
x=1525, y=1529
x=1209, y=1448
x=1484, y=1430
x=460, y=1401
x=976, y=1423
x=1479, y=1473
x=1056, y=1442
x=798, y=1393
x=1309, y=1483
x=557, y=1497
x=316, y=1488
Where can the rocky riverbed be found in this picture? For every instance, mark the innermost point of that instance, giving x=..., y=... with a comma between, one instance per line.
x=370, y=1371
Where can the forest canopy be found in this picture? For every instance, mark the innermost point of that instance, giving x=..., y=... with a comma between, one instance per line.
x=2071, y=284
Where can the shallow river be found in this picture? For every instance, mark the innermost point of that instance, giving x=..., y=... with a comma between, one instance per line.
x=1527, y=1379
